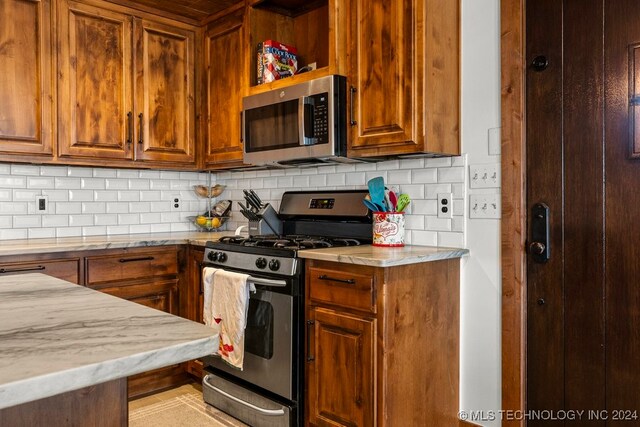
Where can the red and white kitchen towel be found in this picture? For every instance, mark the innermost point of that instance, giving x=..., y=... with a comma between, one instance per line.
x=226, y=301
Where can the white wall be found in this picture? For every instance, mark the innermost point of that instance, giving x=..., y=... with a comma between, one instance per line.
x=481, y=283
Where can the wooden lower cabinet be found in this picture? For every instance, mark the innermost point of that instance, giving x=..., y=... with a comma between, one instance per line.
x=341, y=376
x=147, y=276
x=63, y=268
x=383, y=344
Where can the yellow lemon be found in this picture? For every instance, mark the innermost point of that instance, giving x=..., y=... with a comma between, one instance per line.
x=201, y=220
x=215, y=222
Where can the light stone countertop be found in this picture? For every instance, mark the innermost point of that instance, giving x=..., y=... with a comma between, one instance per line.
x=116, y=241
x=383, y=256
x=56, y=337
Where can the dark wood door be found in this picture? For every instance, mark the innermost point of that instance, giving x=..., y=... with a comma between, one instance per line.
x=583, y=304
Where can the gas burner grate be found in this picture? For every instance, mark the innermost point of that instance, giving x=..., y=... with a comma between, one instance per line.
x=289, y=242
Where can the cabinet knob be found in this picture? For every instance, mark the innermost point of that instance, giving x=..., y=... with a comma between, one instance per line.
x=540, y=63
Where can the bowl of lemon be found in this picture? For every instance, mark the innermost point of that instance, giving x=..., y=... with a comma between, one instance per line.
x=208, y=223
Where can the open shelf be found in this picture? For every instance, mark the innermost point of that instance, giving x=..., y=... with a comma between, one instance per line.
x=302, y=24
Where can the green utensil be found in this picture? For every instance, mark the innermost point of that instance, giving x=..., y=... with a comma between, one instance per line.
x=403, y=201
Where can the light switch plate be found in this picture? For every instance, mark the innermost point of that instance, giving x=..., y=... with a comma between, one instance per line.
x=484, y=176
x=485, y=206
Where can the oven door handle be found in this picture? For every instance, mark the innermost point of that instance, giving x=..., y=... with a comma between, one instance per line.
x=267, y=282
x=269, y=412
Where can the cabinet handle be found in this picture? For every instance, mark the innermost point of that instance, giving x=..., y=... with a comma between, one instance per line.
x=241, y=127
x=140, y=134
x=129, y=127
x=352, y=91
x=310, y=357
x=333, y=279
x=144, y=258
x=14, y=270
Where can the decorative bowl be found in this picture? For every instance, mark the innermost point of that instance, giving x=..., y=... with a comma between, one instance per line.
x=208, y=223
x=205, y=191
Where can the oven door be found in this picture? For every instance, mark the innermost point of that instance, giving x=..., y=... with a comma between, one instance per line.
x=268, y=341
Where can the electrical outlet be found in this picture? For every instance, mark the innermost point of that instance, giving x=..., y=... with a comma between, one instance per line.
x=445, y=205
x=42, y=204
x=486, y=206
x=484, y=176
x=175, y=201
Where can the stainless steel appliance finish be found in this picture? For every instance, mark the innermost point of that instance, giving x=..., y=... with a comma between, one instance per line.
x=297, y=125
x=273, y=375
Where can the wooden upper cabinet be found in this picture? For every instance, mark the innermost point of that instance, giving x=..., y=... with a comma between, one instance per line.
x=95, y=82
x=126, y=87
x=26, y=97
x=227, y=80
x=165, y=88
x=403, y=77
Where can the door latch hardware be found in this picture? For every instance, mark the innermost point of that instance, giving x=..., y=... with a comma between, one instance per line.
x=540, y=248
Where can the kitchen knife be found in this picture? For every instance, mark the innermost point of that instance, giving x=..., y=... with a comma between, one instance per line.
x=246, y=212
x=256, y=198
x=250, y=201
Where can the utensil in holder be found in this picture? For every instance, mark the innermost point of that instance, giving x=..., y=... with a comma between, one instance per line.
x=266, y=222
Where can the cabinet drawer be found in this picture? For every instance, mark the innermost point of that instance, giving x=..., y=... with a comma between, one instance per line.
x=344, y=287
x=65, y=269
x=129, y=265
x=161, y=295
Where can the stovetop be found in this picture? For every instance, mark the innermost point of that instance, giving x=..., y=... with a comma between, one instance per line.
x=292, y=242
x=276, y=255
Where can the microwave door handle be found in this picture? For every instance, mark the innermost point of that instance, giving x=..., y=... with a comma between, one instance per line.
x=305, y=113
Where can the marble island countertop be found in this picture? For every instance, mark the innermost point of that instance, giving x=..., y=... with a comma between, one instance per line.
x=382, y=256
x=56, y=337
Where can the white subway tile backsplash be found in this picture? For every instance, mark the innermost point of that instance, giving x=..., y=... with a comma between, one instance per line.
x=13, y=233
x=8, y=181
x=451, y=174
x=94, y=208
x=92, y=184
x=80, y=195
x=41, y=233
x=27, y=221
x=62, y=183
x=80, y=220
x=25, y=170
x=40, y=182
x=25, y=195
x=86, y=201
x=80, y=172
x=13, y=208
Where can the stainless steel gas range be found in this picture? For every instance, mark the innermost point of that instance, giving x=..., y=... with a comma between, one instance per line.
x=269, y=391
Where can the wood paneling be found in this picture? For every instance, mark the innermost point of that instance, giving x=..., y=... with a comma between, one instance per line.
x=26, y=118
x=513, y=227
x=94, y=88
x=101, y=405
x=341, y=378
x=192, y=298
x=191, y=11
x=227, y=81
x=165, y=87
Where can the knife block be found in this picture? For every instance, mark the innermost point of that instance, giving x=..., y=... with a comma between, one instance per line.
x=269, y=223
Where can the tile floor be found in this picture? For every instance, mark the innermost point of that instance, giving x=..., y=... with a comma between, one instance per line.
x=165, y=395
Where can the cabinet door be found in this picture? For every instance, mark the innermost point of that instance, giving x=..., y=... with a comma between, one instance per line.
x=95, y=82
x=381, y=76
x=341, y=376
x=26, y=77
x=194, y=298
x=226, y=82
x=165, y=87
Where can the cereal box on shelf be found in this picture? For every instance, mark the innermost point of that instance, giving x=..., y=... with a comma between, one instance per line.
x=276, y=61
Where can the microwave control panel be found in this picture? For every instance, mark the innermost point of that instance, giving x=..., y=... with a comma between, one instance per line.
x=321, y=117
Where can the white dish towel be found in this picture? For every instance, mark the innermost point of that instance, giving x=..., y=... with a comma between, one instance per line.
x=226, y=301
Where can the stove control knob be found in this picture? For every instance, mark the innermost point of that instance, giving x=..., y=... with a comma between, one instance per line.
x=261, y=263
x=213, y=256
x=274, y=265
x=222, y=257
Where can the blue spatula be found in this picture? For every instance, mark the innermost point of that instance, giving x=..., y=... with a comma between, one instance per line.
x=376, y=190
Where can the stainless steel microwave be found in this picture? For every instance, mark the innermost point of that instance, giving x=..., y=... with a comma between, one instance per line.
x=302, y=124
